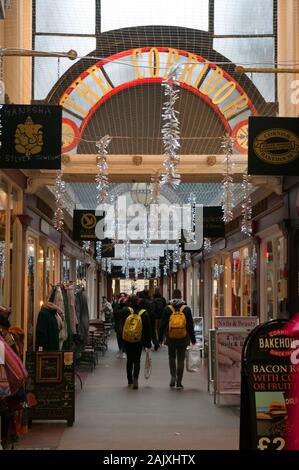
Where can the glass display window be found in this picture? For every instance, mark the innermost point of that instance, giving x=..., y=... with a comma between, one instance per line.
x=274, y=292
x=30, y=289
x=217, y=288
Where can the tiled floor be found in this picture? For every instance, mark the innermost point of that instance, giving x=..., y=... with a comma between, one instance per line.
x=111, y=416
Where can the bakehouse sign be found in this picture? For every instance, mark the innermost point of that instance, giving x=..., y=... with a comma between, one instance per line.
x=147, y=65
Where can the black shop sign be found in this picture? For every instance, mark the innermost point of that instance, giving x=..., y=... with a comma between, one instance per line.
x=268, y=385
x=30, y=136
x=273, y=147
x=50, y=386
x=213, y=224
x=84, y=225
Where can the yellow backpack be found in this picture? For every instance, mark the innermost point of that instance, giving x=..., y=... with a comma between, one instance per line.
x=132, y=331
x=177, y=323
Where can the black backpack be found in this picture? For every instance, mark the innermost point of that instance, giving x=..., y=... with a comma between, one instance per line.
x=159, y=307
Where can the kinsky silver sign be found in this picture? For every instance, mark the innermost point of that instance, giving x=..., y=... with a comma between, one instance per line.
x=157, y=222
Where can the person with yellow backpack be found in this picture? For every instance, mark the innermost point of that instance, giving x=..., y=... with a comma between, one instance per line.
x=136, y=334
x=177, y=328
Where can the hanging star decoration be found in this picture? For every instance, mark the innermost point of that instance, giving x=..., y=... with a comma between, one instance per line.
x=171, y=127
x=246, y=223
x=59, y=190
x=227, y=199
x=101, y=179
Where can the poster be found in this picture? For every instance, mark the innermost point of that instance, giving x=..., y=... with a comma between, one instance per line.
x=229, y=346
x=271, y=390
x=31, y=136
x=273, y=146
x=198, y=330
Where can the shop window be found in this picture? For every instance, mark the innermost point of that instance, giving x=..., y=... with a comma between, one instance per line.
x=236, y=284
x=3, y=238
x=41, y=275
x=274, y=252
x=66, y=266
x=31, y=257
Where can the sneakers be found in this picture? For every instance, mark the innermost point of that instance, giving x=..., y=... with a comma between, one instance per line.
x=179, y=387
x=124, y=356
x=130, y=384
x=135, y=384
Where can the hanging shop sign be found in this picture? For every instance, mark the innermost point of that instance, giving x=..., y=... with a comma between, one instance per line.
x=84, y=224
x=273, y=146
x=107, y=248
x=51, y=386
x=213, y=224
x=270, y=369
x=30, y=136
x=104, y=79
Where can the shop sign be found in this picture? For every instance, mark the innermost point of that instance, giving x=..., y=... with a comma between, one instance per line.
x=30, y=136
x=213, y=225
x=103, y=80
x=107, y=248
x=273, y=146
x=84, y=224
x=236, y=322
x=51, y=386
x=269, y=381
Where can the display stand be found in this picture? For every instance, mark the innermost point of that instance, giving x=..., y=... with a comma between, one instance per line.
x=230, y=335
x=51, y=380
x=212, y=360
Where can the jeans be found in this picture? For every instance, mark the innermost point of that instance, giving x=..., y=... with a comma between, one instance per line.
x=133, y=351
x=120, y=341
x=176, y=355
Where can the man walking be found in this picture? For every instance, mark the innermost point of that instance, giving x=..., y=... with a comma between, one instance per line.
x=178, y=329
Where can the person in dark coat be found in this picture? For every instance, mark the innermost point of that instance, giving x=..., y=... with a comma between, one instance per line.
x=134, y=350
x=159, y=305
x=148, y=304
x=177, y=347
x=47, y=330
x=118, y=322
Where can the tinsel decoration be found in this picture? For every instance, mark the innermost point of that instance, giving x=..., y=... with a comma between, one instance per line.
x=109, y=265
x=246, y=224
x=251, y=262
x=2, y=257
x=101, y=177
x=207, y=245
x=59, y=190
x=171, y=127
x=98, y=251
x=86, y=245
x=227, y=199
x=104, y=264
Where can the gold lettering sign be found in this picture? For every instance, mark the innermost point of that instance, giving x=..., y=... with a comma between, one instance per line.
x=88, y=221
x=276, y=146
x=29, y=138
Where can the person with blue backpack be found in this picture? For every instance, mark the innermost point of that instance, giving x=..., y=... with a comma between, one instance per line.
x=177, y=328
x=136, y=334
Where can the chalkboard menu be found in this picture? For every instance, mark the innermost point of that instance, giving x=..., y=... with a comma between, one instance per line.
x=51, y=385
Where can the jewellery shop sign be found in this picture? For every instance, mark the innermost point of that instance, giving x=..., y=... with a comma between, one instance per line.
x=273, y=146
x=30, y=136
x=269, y=388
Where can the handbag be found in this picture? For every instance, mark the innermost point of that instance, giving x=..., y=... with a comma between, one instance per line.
x=147, y=364
x=193, y=358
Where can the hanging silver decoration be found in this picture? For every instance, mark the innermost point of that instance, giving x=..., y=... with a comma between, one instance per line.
x=227, y=199
x=104, y=264
x=251, y=262
x=2, y=257
x=86, y=245
x=98, y=251
x=101, y=177
x=218, y=270
x=207, y=245
x=246, y=224
x=59, y=190
x=171, y=127
x=109, y=265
